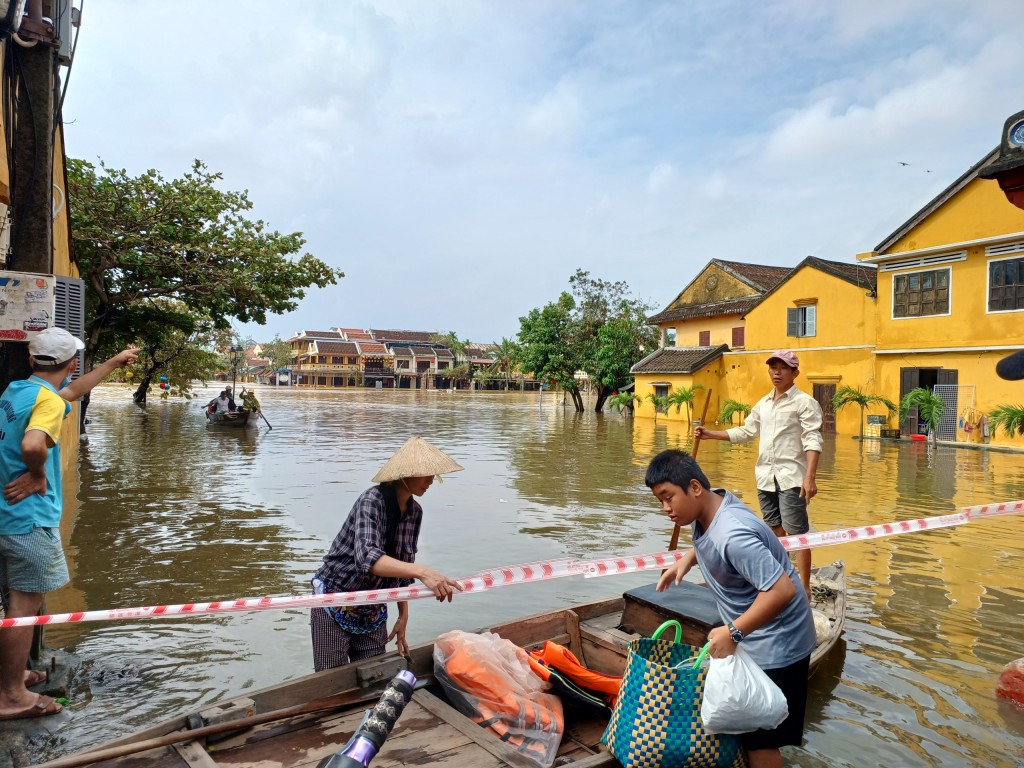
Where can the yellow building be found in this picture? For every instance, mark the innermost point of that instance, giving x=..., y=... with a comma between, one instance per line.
x=823, y=310
x=951, y=303
x=935, y=305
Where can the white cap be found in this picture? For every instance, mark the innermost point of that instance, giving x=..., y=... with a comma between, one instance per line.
x=54, y=347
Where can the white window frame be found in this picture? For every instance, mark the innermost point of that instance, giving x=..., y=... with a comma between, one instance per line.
x=803, y=319
x=988, y=282
x=892, y=294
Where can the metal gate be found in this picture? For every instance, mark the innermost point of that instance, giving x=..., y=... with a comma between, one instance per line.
x=956, y=397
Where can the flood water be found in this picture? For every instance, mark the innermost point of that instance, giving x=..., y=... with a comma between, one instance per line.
x=173, y=512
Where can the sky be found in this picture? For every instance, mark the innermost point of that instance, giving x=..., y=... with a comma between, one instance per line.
x=459, y=160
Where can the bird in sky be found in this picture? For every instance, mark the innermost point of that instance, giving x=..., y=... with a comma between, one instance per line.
x=902, y=163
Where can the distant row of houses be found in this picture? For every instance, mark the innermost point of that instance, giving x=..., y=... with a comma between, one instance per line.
x=353, y=357
x=935, y=305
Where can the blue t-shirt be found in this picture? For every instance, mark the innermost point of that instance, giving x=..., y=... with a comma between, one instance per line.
x=30, y=404
x=741, y=556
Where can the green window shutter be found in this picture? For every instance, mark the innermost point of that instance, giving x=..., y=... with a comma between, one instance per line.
x=793, y=321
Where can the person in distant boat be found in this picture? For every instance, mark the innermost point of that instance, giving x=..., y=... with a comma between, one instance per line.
x=249, y=401
x=789, y=423
x=756, y=587
x=31, y=557
x=376, y=549
x=222, y=403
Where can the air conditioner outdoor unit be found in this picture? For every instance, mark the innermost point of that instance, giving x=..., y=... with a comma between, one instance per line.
x=11, y=12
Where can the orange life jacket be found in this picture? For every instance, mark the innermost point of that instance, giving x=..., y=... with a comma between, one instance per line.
x=561, y=658
x=496, y=702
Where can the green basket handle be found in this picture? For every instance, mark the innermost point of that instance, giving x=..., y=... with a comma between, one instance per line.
x=701, y=655
x=666, y=625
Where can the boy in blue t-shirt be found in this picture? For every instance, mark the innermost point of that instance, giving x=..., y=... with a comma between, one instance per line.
x=759, y=594
x=31, y=558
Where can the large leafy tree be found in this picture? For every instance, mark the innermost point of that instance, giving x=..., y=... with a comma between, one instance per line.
x=142, y=239
x=549, y=345
x=606, y=332
x=278, y=352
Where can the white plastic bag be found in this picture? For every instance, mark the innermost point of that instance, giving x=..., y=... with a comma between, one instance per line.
x=739, y=697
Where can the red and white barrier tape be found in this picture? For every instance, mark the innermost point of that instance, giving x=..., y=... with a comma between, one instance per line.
x=517, y=574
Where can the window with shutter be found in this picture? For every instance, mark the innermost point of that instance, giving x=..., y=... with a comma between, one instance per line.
x=801, y=321
x=737, y=337
x=705, y=339
x=918, y=294
x=69, y=312
x=1006, y=285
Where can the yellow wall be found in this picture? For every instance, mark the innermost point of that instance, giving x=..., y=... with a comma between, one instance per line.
x=688, y=331
x=845, y=314
x=720, y=287
x=978, y=211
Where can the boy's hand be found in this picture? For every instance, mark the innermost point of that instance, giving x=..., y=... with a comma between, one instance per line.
x=126, y=357
x=673, y=575
x=398, y=633
x=721, y=641
x=24, y=486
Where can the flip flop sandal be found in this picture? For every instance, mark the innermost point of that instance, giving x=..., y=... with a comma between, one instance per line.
x=36, y=677
x=44, y=706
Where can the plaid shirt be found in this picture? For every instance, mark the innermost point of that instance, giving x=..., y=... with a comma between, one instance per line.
x=360, y=543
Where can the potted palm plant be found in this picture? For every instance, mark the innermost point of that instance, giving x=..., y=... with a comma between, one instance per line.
x=684, y=396
x=624, y=400
x=730, y=408
x=660, y=403
x=929, y=408
x=845, y=396
x=1009, y=418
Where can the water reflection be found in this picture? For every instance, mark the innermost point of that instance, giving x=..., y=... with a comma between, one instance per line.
x=171, y=511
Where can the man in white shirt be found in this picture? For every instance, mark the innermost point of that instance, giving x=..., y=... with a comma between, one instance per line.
x=789, y=424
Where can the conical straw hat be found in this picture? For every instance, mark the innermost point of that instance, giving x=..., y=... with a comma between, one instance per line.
x=417, y=458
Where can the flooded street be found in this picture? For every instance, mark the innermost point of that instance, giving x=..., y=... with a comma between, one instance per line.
x=173, y=512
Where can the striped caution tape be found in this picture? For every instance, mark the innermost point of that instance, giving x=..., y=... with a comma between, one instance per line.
x=517, y=574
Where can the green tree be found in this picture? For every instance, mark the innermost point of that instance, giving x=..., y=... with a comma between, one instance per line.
x=548, y=345
x=503, y=353
x=845, y=396
x=278, y=352
x=624, y=401
x=660, y=403
x=685, y=396
x=141, y=238
x=612, y=332
x=929, y=408
x=730, y=408
x=1009, y=418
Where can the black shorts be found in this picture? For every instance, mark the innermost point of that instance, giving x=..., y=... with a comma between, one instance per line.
x=793, y=682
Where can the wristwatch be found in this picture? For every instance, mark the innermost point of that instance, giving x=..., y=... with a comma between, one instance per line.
x=737, y=636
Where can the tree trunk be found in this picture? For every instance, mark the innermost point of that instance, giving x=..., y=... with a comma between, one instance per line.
x=602, y=396
x=577, y=400
x=140, y=394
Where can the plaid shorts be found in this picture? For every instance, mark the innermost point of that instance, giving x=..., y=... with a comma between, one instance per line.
x=34, y=561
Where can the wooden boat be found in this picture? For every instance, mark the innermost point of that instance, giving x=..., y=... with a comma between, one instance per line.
x=238, y=418
x=303, y=721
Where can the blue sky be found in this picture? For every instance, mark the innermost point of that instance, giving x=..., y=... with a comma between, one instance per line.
x=460, y=159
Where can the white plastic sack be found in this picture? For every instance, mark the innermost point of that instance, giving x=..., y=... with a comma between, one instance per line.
x=739, y=697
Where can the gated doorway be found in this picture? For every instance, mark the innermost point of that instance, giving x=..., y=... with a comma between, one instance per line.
x=824, y=393
x=925, y=378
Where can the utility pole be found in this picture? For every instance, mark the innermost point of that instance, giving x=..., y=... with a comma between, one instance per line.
x=34, y=78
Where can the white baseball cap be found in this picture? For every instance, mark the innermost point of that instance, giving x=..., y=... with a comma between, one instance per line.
x=54, y=347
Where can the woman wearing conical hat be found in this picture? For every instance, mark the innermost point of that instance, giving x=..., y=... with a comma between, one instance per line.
x=376, y=549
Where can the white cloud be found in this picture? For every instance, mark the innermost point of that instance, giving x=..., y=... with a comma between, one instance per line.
x=459, y=159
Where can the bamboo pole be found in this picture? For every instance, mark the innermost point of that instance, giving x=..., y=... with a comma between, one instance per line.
x=674, y=542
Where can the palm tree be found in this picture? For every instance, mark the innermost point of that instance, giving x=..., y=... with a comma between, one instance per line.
x=854, y=395
x=660, y=403
x=685, y=396
x=1009, y=417
x=730, y=408
x=624, y=400
x=503, y=353
x=929, y=407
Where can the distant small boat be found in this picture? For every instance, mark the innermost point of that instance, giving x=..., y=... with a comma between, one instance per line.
x=237, y=418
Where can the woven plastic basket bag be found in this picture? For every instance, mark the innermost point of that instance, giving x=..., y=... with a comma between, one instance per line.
x=656, y=721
